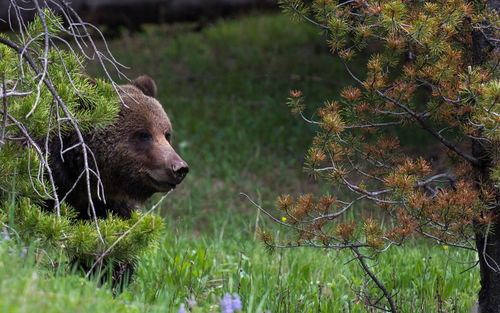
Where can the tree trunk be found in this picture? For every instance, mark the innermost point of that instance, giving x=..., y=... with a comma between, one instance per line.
x=489, y=256
x=488, y=244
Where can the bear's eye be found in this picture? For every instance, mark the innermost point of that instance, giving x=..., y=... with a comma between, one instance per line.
x=144, y=135
x=168, y=136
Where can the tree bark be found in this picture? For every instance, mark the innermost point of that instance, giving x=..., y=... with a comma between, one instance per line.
x=487, y=243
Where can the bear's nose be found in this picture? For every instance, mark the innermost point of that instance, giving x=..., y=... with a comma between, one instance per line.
x=180, y=170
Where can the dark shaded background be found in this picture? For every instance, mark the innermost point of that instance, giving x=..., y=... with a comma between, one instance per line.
x=131, y=14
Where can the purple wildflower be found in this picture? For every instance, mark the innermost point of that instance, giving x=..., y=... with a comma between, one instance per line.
x=182, y=309
x=237, y=302
x=24, y=252
x=5, y=235
x=228, y=304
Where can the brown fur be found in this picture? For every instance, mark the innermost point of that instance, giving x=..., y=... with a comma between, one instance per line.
x=134, y=156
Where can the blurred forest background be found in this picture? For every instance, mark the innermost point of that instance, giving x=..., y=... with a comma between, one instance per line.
x=223, y=76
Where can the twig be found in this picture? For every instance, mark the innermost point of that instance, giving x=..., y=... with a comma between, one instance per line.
x=374, y=278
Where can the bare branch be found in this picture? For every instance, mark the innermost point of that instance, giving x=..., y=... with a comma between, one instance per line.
x=374, y=278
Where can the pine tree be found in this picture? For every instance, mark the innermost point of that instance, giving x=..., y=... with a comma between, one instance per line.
x=433, y=68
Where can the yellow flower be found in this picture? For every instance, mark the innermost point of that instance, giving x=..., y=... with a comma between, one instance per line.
x=283, y=219
x=445, y=247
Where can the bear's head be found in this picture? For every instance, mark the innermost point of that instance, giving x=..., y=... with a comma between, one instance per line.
x=134, y=156
x=146, y=138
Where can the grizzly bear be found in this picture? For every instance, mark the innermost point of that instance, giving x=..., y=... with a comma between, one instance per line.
x=134, y=157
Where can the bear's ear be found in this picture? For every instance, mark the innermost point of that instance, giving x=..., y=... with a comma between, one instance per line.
x=146, y=84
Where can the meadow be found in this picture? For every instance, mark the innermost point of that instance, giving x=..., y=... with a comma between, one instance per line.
x=224, y=88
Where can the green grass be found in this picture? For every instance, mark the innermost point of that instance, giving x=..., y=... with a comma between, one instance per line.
x=225, y=89
x=205, y=268
x=288, y=281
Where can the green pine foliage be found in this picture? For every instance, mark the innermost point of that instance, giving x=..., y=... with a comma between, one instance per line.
x=80, y=239
x=18, y=173
x=24, y=184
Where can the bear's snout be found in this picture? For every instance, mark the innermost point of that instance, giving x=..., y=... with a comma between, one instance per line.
x=168, y=170
x=180, y=170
